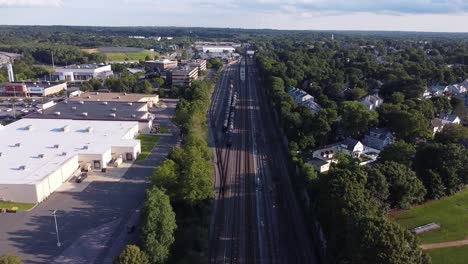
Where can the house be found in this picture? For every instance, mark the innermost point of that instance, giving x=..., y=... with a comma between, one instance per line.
x=426, y=94
x=378, y=138
x=303, y=98
x=371, y=102
x=439, y=90
x=351, y=147
x=320, y=165
x=439, y=122
x=456, y=89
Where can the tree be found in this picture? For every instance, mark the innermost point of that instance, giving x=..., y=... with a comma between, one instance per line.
x=405, y=188
x=379, y=240
x=10, y=259
x=356, y=119
x=147, y=87
x=452, y=133
x=158, y=225
x=377, y=184
x=450, y=161
x=132, y=255
x=165, y=176
x=399, y=151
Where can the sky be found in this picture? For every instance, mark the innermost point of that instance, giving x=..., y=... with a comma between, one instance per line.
x=398, y=15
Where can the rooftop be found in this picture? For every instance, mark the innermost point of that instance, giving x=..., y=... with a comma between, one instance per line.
x=36, y=84
x=113, y=97
x=42, y=146
x=83, y=66
x=94, y=110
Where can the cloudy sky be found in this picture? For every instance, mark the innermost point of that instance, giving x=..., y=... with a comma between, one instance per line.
x=407, y=15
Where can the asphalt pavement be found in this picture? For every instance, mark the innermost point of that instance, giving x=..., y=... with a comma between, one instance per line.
x=88, y=221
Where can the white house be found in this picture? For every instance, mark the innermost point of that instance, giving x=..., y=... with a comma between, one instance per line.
x=439, y=122
x=371, y=102
x=303, y=98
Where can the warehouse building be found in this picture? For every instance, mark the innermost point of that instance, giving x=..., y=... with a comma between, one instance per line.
x=38, y=156
x=99, y=111
x=29, y=89
x=151, y=99
x=84, y=72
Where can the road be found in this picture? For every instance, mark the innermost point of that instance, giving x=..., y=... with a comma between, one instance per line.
x=90, y=222
x=256, y=218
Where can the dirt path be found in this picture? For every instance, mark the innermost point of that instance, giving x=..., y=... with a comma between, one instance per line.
x=456, y=243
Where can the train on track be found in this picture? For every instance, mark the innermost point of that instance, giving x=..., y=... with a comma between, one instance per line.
x=242, y=69
x=229, y=114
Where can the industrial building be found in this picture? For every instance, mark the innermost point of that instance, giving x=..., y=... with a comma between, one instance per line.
x=38, y=155
x=216, y=47
x=84, y=72
x=99, y=111
x=150, y=99
x=160, y=65
x=29, y=89
x=182, y=76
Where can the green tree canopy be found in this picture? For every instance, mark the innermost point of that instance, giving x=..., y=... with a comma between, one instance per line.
x=158, y=225
x=132, y=255
x=356, y=119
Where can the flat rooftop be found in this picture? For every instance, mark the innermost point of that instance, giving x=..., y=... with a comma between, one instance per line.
x=36, y=84
x=94, y=110
x=82, y=66
x=114, y=97
x=40, y=137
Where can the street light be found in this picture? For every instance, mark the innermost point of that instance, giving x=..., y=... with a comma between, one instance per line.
x=56, y=228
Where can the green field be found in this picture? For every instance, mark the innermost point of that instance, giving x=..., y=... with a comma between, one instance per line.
x=21, y=206
x=451, y=212
x=147, y=144
x=453, y=255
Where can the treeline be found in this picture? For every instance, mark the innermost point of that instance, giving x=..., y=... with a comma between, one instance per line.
x=175, y=218
x=62, y=54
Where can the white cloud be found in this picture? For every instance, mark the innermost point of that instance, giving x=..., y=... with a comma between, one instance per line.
x=29, y=3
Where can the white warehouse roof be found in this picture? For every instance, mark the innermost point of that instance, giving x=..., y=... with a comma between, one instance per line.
x=42, y=146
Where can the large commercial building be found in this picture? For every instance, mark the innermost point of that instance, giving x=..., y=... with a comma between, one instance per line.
x=84, y=72
x=182, y=76
x=216, y=47
x=28, y=89
x=200, y=64
x=99, y=111
x=150, y=99
x=38, y=156
x=160, y=65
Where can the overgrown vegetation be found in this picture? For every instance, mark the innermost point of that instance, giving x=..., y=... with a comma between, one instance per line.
x=186, y=177
x=148, y=142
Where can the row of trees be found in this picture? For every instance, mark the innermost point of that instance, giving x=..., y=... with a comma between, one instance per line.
x=177, y=221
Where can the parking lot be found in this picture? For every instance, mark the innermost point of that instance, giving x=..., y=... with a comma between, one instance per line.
x=92, y=216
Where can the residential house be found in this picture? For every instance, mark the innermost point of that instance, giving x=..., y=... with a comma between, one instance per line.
x=378, y=138
x=320, y=165
x=351, y=147
x=439, y=90
x=371, y=102
x=439, y=122
x=303, y=98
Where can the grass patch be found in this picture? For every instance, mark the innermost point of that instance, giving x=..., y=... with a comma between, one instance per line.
x=451, y=212
x=47, y=68
x=147, y=144
x=131, y=56
x=453, y=255
x=21, y=206
x=164, y=129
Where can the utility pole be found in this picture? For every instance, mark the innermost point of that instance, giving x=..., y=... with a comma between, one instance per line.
x=54, y=213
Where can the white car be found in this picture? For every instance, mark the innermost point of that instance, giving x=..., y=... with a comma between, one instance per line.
x=9, y=110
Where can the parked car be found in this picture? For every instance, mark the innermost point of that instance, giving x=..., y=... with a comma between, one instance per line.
x=81, y=177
